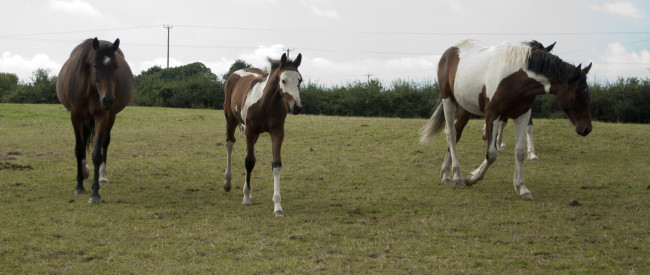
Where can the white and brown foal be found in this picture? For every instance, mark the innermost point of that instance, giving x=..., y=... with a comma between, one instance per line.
x=501, y=81
x=259, y=102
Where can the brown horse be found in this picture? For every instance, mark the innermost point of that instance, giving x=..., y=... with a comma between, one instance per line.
x=94, y=84
x=502, y=81
x=260, y=102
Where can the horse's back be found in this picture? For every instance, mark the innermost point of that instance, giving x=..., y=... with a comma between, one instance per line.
x=237, y=86
x=481, y=68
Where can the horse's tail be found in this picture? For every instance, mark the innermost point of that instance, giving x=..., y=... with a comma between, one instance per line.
x=435, y=124
x=89, y=133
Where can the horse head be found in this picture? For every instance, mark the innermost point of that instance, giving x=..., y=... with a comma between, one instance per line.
x=102, y=71
x=289, y=82
x=573, y=98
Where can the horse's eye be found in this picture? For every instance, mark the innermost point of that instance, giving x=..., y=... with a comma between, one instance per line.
x=284, y=81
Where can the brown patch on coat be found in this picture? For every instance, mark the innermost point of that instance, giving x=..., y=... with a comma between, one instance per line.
x=447, y=67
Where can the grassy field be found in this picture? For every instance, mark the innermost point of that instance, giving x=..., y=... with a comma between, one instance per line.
x=360, y=195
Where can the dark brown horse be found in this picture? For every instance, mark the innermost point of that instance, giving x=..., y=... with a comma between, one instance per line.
x=260, y=102
x=502, y=81
x=94, y=84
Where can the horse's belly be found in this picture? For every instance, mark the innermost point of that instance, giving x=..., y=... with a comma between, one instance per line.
x=468, y=96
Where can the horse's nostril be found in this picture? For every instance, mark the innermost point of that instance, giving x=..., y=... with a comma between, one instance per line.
x=107, y=102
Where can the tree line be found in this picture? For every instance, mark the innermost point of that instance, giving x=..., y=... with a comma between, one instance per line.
x=196, y=86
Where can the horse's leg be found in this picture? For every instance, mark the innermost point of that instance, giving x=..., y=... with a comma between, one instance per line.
x=461, y=122
x=500, y=140
x=529, y=140
x=230, y=144
x=450, y=133
x=249, y=161
x=80, y=154
x=520, y=135
x=492, y=125
x=86, y=136
x=103, y=180
x=100, y=135
x=276, y=141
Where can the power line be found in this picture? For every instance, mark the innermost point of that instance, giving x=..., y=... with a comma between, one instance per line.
x=409, y=33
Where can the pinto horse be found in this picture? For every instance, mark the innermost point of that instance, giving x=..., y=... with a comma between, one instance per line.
x=94, y=84
x=501, y=81
x=259, y=103
x=501, y=144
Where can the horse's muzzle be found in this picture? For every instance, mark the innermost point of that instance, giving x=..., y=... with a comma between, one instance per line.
x=296, y=109
x=107, y=102
x=583, y=132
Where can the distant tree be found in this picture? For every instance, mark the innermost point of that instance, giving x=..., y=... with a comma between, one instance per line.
x=238, y=65
x=189, y=86
x=42, y=89
x=8, y=84
x=44, y=86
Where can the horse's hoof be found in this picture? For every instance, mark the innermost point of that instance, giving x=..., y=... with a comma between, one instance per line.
x=460, y=184
x=96, y=200
x=533, y=159
x=527, y=196
x=445, y=181
x=278, y=213
x=103, y=181
x=227, y=186
x=79, y=191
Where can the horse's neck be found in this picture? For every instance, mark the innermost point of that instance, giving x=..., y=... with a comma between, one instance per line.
x=271, y=94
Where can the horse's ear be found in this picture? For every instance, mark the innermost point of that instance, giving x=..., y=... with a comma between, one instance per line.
x=297, y=61
x=550, y=47
x=576, y=72
x=586, y=69
x=283, y=59
x=95, y=43
x=116, y=44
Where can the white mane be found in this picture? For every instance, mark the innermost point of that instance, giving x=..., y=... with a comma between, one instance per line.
x=514, y=55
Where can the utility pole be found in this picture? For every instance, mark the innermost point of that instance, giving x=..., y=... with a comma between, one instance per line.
x=369, y=75
x=288, y=51
x=168, y=27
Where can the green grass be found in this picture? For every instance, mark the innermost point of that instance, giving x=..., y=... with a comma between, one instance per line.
x=360, y=195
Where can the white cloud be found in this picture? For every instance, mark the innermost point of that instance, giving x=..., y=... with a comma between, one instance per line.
x=455, y=6
x=24, y=68
x=258, y=58
x=327, y=71
x=325, y=13
x=620, y=8
x=77, y=7
x=616, y=61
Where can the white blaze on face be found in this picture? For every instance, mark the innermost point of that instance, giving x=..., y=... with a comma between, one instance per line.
x=290, y=84
x=107, y=60
x=254, y=94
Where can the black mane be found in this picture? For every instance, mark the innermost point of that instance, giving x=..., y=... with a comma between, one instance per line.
x=549, y=65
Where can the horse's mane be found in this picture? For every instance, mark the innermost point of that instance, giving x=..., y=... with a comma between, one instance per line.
x=514, y=55
x=545, y=63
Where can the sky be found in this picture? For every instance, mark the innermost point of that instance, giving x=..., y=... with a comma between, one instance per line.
x=341, y=41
